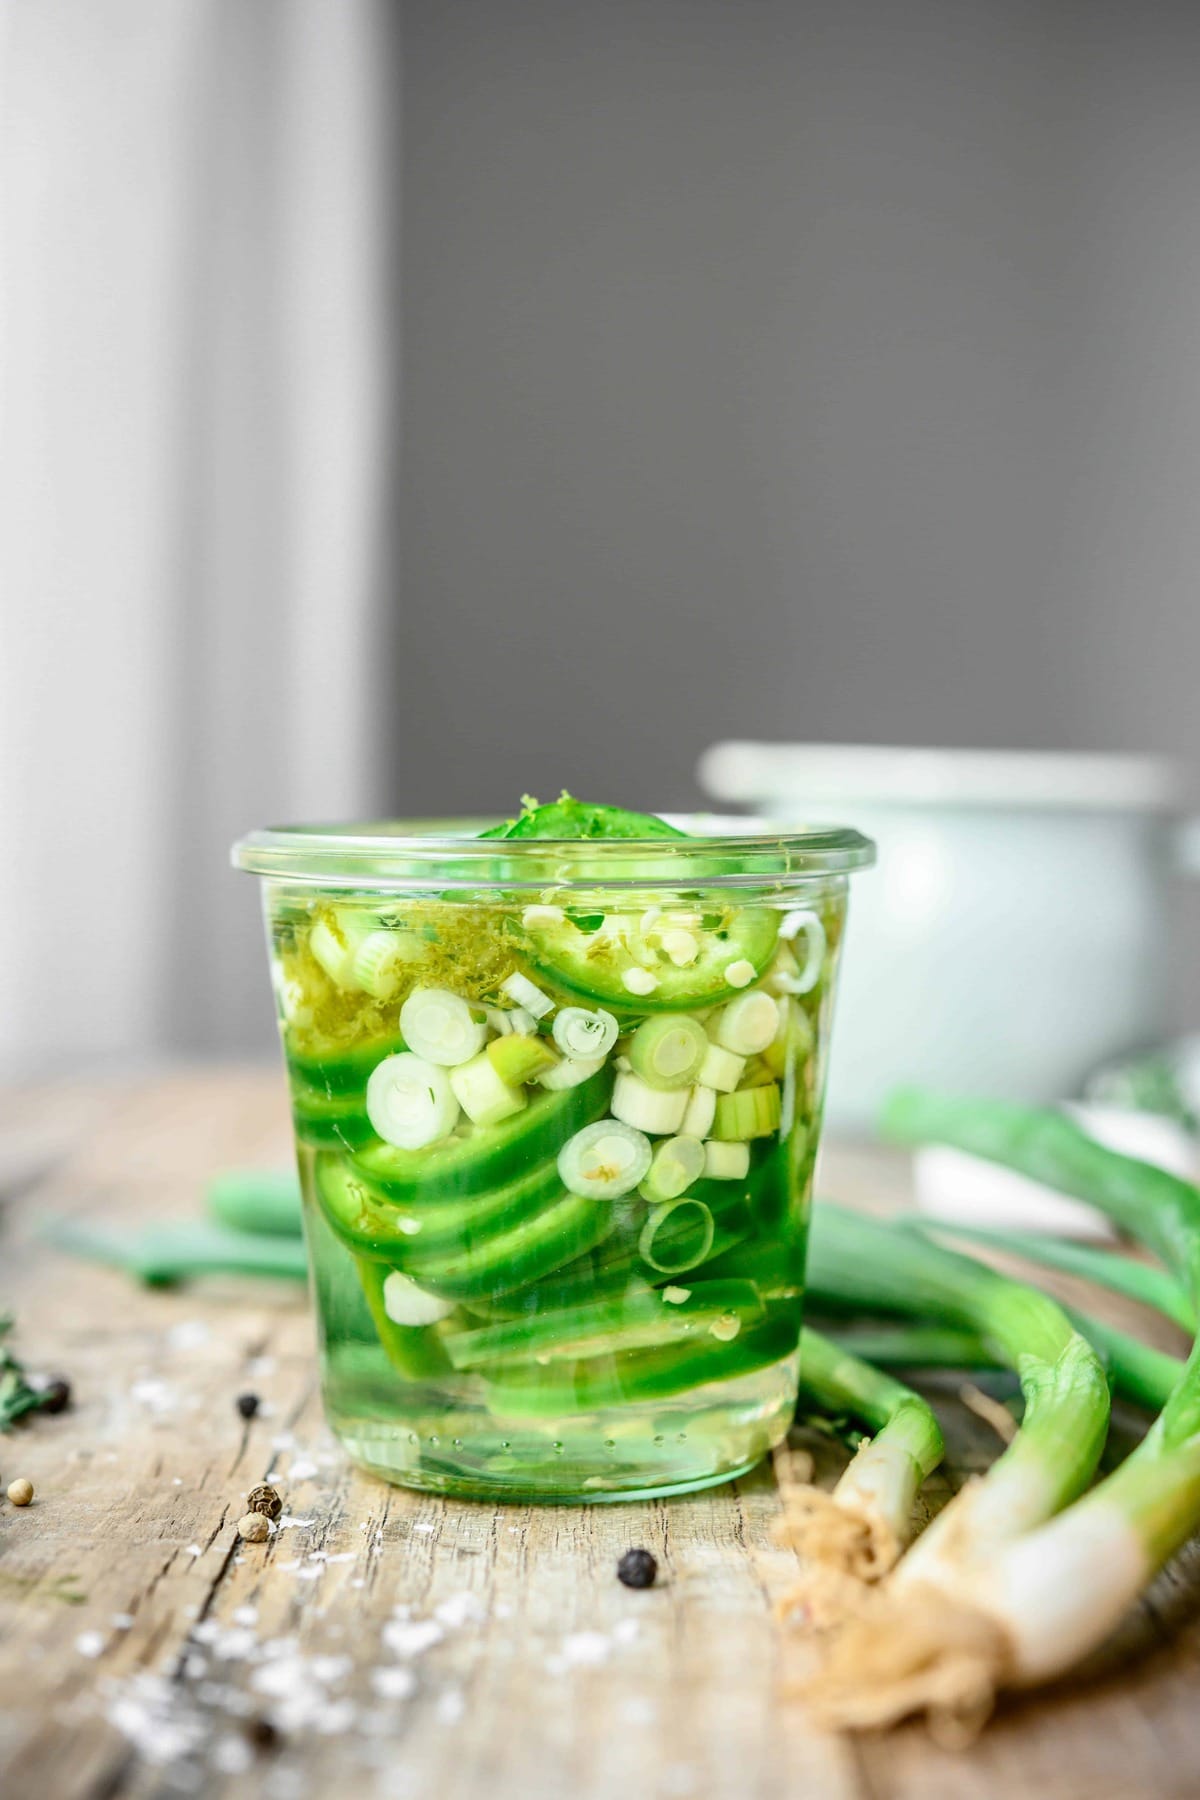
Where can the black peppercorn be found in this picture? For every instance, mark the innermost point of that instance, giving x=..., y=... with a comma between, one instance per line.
x=54, y=1394
x=247, y=1405
x=637, y=1569
x=261, y=1733
x=264, y=1500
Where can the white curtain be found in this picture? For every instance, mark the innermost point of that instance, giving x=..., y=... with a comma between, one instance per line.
x=198, y=389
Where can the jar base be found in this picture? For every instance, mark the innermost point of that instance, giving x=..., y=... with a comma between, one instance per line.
x=453, y=1487
x=638, y=1452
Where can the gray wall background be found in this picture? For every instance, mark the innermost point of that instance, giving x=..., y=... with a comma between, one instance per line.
x=794, y=370
x=417, y=404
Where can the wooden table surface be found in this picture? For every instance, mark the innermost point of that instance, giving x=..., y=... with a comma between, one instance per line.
x=405, y=1646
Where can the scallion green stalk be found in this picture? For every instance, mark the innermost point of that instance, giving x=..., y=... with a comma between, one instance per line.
x=1149, y=1203
x=1138, y=1281
x=162, y=1254
x=915, y=1346
x=1140, y=1375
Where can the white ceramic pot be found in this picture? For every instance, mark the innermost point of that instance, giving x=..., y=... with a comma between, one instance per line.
x=1014, y=932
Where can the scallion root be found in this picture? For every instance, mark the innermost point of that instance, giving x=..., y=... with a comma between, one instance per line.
x=921, y=1650
x=845, y=1544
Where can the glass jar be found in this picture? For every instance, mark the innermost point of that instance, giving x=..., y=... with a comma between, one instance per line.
x=557, y=1105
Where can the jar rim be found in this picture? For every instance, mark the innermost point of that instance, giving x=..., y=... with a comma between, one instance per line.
x=399, y=855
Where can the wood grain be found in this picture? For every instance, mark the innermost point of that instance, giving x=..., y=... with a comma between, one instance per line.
x=548, y=1678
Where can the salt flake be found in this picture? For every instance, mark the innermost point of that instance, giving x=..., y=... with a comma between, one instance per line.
x=189, y=1334
x=586, y=1647
x=459, y=1609
x=232, y=1755
x=451, y=1706
x=411, y=1638
x=394, y=1684
x=155, y=1395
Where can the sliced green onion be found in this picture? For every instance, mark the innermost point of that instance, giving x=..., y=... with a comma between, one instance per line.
x=700, y=1113
x=748, y=1024
x=542, y=915
x=677, y=1164
x=517, y=1058
x=677, y=1235
x=814, y=933
x=646, y=1108
x=440, y=1026
x=334, y=952
x=379, y=965
x=604, y=1160
x=720, y=1069
x=571, y=1072
x=583, y=1034
x=756, y=1073
x=410, y=1101
x=680, y=944
x=407, y=1304
x=750, y=1113
x=413, y=1348
x=483, y=1094
x=668, y=1050
x=523, y=992
x=726, y=1162
x=793, y=1039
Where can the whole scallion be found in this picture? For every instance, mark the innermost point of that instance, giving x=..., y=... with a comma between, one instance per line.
x=853, y=1535
x=1036, y=1605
